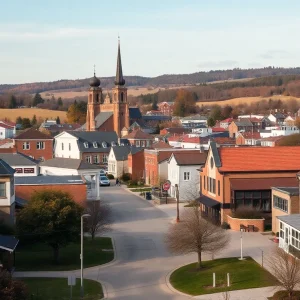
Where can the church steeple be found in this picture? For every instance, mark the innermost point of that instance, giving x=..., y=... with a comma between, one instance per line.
x=119, y=73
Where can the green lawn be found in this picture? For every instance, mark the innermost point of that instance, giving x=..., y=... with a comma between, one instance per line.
x=244, y=274
x=58, y=289
x=39, y=257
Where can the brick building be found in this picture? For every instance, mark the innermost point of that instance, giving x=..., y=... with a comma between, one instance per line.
x=35, y=144
x=239, y=176
x=136, y=164
x=166, y=108
x=248, y=138
x=139, y=138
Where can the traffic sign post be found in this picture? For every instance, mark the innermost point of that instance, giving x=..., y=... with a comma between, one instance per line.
x=71, y=282
x=166, y=187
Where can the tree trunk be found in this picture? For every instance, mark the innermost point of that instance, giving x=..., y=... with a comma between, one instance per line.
x=199, y=264
x=93, y=235
x=56, y=254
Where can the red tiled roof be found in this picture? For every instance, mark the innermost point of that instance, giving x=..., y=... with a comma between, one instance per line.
x=139, y=135
x=32, y=134
x=163, y=155
x=224, y=140
x=218, y=129
x=12, y=124
x=197, y=158
x=250, y=135
x=161, y=145
x=194, y=139
x=260, y=159
x=227, y=120
x=6, y=126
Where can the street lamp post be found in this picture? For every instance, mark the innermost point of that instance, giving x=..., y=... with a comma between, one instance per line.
x=81, y=256
x=177, y=202
x=241, y=258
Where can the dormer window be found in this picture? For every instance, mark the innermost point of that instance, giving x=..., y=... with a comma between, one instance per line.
x=95, y=144
x=86, y=144
x=104, y=144
x=113, y=144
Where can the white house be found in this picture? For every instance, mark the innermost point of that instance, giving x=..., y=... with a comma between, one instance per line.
x=91, y=146
x=6, y=131
x=183, y=170
x=194, y=121
x=118, y=160
x=202, y=132
x=22, y=164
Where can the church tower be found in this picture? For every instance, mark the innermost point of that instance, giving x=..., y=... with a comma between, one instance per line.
x=94, y=103
x=119, y=95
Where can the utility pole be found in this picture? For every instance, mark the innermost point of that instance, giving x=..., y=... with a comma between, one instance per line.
x=177, y=202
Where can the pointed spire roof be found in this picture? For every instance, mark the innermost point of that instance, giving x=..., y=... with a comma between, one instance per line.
x=119, y=74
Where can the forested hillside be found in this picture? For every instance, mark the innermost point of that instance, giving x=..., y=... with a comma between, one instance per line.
x=163, y=80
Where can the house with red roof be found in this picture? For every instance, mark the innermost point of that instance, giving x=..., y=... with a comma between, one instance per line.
x=139, y=138
x=248, y=138
x=237, y=176
x=225, y=123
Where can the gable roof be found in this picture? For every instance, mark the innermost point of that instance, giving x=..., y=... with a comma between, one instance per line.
x=177, y=130
x=197, y=158
x=6, y=126
x=292, y=220
x=8, y=242
x=164, y=155
x=121, y=152
x=68, y=163
x=138, y=134
x=243, y=122
x=6, y=169
x=32, y=134
x=161, y=145
x=88, y=138
x=250, y=135
x=259, y=159
x=101, y=118
x=17, y=159
x=134, y=113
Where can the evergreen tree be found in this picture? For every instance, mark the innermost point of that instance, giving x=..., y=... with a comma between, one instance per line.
x=19, y=120
x=33, y=120
x=211, y=122
x=154, y=105
x=12, y=102
x=37, y=99
x=57, y=120
x=59, y=102
x=26, y=123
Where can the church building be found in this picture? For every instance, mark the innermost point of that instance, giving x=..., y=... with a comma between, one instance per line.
x=110, y=113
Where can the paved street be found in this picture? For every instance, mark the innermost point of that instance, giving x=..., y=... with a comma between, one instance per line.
x=142, y=261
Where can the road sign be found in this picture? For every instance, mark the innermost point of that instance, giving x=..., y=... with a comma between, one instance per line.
x=71, y=280
x=167, y=185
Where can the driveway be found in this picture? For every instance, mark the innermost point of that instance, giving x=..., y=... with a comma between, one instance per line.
x=142, y=260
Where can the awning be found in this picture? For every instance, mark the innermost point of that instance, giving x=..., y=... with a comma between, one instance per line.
x=252, y=184
x=208, y=201
x=8, y=243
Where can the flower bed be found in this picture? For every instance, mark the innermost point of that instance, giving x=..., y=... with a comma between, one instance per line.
x=236, y=223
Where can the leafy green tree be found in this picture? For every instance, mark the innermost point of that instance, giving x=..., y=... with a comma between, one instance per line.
x=26, y=123
x=58, y=221
x=59, y=102
x=12, y=102
x=57, y=120
x=216, y=113
x=33, y=120
x=37, y=99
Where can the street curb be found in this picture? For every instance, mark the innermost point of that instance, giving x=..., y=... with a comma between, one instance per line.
x=136, y=194
x=170, y=286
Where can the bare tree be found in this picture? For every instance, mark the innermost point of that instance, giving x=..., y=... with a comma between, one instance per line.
x=191, y=192
x=100, y=219
x=195, y=234
x=286, y=268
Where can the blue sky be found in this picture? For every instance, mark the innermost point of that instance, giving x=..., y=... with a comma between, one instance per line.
x=52, y=40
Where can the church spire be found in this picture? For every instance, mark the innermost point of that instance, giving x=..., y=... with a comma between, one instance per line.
x=119, y=74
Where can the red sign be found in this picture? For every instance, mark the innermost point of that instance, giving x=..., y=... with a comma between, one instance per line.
x=28, y=170
x=166, y=185
x=19, y=170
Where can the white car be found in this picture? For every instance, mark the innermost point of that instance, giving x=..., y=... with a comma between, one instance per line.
x=104, y=181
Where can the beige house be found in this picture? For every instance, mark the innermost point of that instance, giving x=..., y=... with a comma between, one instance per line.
x=285, y=201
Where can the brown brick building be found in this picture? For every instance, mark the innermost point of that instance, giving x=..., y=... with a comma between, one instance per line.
x=35, y=144
x=136, y=165
x=139, y=138
x=233, y=177
x=166, y=108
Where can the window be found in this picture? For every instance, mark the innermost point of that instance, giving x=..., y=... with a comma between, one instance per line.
x=204, y=182
x=26, y=146
x=96, y=159
x=219, y=188
x=95, y=144
x=280, y=203
x=104, y=144
x=148, y=143
x=40, y=145
x=2, y=189
x=186, y=176
x=104, y=158
x=86, y=144
x=138, y=143
x=143, y=143
x=211, y=185
x=88, y=159
x=62, y=146
x=69, y=146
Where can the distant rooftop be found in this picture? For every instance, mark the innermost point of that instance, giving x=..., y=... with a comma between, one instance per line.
x=292, y=220
x=49, y=180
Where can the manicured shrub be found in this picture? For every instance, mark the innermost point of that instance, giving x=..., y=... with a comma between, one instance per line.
x=126, y=177
x=247, y=212
x=110, y=176
x=283, y=295
x=225, y=225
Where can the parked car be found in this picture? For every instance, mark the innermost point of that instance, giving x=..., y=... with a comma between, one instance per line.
x=102, y=172
x=104, y=181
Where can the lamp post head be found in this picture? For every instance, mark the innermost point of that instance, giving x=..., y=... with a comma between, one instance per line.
x=85, y=215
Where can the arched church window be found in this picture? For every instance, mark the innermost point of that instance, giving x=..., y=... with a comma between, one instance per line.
x=90, y=98
x=115, y=97
x=97, y=97
x=122, y=97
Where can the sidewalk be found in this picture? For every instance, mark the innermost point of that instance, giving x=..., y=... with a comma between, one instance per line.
x=249, y=294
